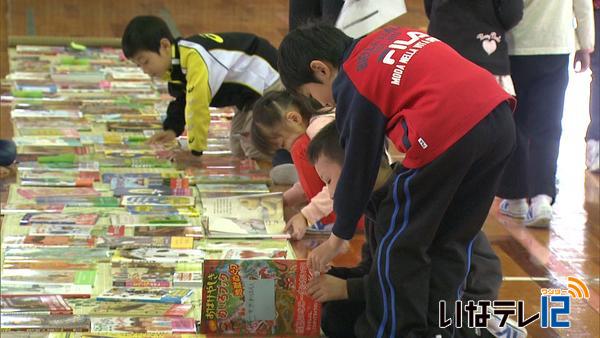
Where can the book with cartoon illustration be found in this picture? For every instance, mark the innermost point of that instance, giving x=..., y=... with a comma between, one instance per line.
x=43, y=323
x=147, y=294
x=139, y=309
x=258, y=297
x=246, y=216
x=48, y=305
x=150, y=325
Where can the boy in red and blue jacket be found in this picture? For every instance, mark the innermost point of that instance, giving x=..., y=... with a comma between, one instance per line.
x=453, y=122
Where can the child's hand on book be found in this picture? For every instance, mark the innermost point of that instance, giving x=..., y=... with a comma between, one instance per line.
x=166, y=136
x=325, y=288
x=319, y=258
x=296, y=226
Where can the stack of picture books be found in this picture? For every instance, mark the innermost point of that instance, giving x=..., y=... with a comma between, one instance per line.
x=102, y=235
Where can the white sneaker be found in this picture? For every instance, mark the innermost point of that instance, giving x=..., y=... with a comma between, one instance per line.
x=539, y=215
x=514, y=208
x=592, y=155
x=510, y=329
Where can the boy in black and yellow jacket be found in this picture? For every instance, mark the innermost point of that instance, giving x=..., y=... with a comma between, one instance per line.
x=224, y=69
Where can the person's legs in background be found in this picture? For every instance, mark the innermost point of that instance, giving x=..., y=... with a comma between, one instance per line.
x=8, y=153
x=593, y=133
x=540, y=84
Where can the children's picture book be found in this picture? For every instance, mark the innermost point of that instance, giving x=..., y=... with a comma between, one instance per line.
x=83, y=201
x=142, y=275
x=68, y=254
x=125, y=242
x=258, y=297
x=246, y=216
x=187, y=279
x=63, y=241
x=147, y=220
x=13, y=208
x=154, y=325
x=48, y=265
x=223, y=190
x=45, y=323
x=175, y=201
x=157, y=255
x=163, y=210
x=60, y=230
x=139, y=309
x=59, y=218
x=34, y=277
x=247, y=248
x=151, y=295
x=42, y=305
x=64, y=290
x=48, y=193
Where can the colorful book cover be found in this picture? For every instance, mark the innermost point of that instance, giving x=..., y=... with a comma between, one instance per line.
x=83, y=201
x=50, y=305
x=157, y=255
x=54, y=218
x=138, y=309
x=48, y=265
x=146, y=220
x=246, y=216
x=60, y=230
x=176, y=201
x=187, y=279
x=223, y=190
x=34, y=193
x=27, y=277
x=63, y=241
x=68, y=254
x=31, y=208
x=163, y=209
x=258, y=297
x=142, y=276
x=154, y=325
x=151, y=295
x=44, y=323
x=125, y=242
x=65, y=290
x=153, y=191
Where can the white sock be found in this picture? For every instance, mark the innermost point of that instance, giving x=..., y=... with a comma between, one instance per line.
x=540, y=200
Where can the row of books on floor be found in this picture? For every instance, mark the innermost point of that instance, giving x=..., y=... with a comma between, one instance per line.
x=102, y=235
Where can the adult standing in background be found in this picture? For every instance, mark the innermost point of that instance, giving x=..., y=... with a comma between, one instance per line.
x=477, y=30
x=593, y=132
x=539, y=48
x=303, y=11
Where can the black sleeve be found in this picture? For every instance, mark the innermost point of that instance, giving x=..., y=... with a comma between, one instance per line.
x=428, y=4
x=358, y=271
x=508, y=12
x=175, y=120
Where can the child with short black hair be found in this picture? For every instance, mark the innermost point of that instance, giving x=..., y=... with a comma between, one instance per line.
x=223, y=69
x=343, y=289
x=451, y=119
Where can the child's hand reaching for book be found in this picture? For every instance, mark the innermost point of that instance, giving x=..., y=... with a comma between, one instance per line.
x=319, y=258
x=162, y=137
x=296, y=226
x=325, y=288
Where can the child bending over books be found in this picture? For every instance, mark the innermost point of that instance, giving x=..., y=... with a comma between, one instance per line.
x=452, y=120
x=282, y=120
x=223, y=69
x=343, y=289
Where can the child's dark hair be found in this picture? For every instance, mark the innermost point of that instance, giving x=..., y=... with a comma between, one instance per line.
x=305, y=44
x=269, y=112
x=143, y=33
x=327, y=143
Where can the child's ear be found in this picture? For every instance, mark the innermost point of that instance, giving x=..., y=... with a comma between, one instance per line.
x=321, y=70
x=165, y=44
x=293, y=116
